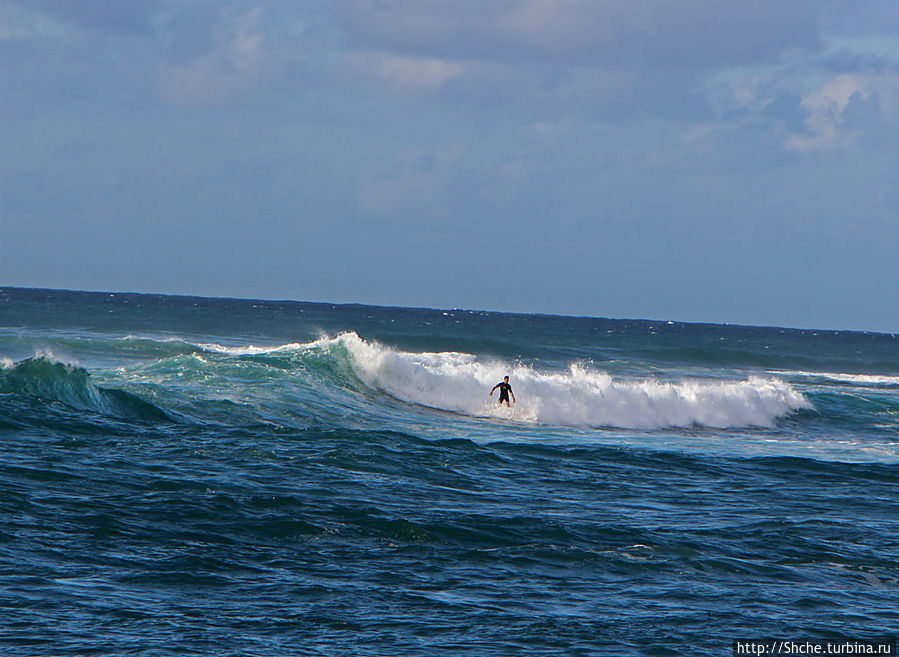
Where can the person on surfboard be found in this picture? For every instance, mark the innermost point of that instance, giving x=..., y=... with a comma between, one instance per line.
x=504, y=391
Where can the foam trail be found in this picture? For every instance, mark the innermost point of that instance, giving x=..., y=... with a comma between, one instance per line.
x=249, y=350
x=864, y=379
x=582, y=396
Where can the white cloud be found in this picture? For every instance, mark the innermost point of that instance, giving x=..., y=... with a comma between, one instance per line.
x=829, y=122
x=403, y=73
x=236, y=62
x=613, y=60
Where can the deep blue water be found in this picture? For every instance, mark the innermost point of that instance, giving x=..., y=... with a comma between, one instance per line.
x=199, y=476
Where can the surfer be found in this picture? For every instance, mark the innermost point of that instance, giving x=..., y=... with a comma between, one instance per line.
x=504, y=391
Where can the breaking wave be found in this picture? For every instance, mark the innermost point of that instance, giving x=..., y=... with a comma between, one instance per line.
x=581, y=396
x=321, y=374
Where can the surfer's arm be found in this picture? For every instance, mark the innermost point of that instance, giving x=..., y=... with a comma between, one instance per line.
x=492, y=389
x=513, y=395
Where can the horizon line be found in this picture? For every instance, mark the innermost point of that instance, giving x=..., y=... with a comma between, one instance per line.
x=458, y=309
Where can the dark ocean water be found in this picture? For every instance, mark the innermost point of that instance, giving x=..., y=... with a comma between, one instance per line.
x=199, y=476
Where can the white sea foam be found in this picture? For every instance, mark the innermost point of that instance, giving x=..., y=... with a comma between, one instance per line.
x=149, y=338
x=56, y=357
x=249, y=350
x=581, y=396
x=863, y=379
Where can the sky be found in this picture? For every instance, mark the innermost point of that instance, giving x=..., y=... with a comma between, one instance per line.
x=698, y=160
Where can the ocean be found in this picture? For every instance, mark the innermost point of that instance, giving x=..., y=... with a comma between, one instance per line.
x=196, y=476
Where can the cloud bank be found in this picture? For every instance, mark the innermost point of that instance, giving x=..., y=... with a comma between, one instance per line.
x=698, y=159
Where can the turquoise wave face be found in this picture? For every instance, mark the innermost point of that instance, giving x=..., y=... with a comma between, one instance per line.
x=53, y=382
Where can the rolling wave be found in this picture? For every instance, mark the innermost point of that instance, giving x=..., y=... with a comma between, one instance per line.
x=49, y=380
x=580, y=396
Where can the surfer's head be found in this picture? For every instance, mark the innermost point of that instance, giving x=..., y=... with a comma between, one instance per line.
x=506, y=378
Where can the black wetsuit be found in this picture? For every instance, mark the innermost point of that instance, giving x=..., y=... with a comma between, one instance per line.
x=504, y=390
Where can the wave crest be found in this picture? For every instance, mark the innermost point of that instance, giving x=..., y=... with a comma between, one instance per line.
x=70, y=384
